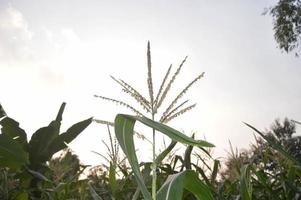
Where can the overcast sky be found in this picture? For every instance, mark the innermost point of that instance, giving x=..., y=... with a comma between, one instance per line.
x=63, y=50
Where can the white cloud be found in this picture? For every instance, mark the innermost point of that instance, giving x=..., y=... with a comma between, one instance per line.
x=15, y=35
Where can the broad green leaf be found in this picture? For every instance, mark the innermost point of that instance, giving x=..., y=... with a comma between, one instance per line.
x=42, y=138
x=170, y=132
x=40, y=141
x=11, y=128
x=59, y=142
x=174, y=186
x=59, y=116
x=11, y=153
x=276, y=146
x=245, y=183
x=124, y=130
x=2, y=112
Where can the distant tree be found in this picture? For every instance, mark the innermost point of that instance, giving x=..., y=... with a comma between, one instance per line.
x=287, y=24
x=284, y=134
x=262, y=155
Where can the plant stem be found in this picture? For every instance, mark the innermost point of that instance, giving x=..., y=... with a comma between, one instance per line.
x=154, y=174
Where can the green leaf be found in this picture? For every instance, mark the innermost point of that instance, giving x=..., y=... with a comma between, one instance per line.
x=202, y=173
x=2, y=112
x=59, y=142
x=112, y=179
x=40, y=141
x=187, y=156
x=11, y=153
x=124, y=130
x=174, y=186
x=42, y=138
x=11, y=128
x=166, y=151
x=245, y=183
x=59, y=116
x=170, y=132
x=37, y=175
x=215, y=170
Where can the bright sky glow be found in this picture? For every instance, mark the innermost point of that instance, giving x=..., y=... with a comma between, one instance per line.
x=63, y=50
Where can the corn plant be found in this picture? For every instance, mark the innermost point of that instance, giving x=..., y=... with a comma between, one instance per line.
x=175, y=184
x=153, y=103
x=114, y=164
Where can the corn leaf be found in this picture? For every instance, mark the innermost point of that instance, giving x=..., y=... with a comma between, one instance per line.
x=173, y=188
x=187, y=156
x=112, y=179
x=166, y=151
x=124, y=130
x=215, y=171
x=245, y=183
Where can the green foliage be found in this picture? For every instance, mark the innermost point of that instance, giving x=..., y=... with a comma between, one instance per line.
x=152, y=105
x=29, y=159
x=124, y=130
x=11, y=153
x=112, y=179
x=287, y=24
x=174, y=186
x=245, y=183
x=268, y=170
